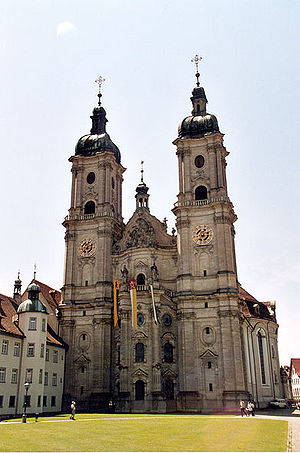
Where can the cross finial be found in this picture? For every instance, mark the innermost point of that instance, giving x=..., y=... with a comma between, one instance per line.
x=197, y=60
x=34, y=273
x=99, y=81
x=142, y=171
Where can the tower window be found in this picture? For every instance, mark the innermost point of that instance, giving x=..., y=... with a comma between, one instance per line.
x=168, y=352
x=140, y=280
x=139, y=352
x=204, y=273
x=86, y=283
x=81, y=390
x=201, y=193
x=140, y=319
x=84, y=313
x=210, y=387
x=139, y=390
x=90, y=178
x=209, y=365
x=199, y=161
x=112, y=183
x=207, y=330
x=89, y=207
x=205, y=304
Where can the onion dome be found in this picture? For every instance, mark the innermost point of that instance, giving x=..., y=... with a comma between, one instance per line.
x=200, y=123
x=98, y=141
x=32, y=304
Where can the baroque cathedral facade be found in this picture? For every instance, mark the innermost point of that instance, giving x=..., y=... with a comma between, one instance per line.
x=201, y=342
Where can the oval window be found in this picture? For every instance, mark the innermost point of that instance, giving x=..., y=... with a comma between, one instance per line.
x=90, y=178
x=199, y=161
x=167, y=320
x=140, y=319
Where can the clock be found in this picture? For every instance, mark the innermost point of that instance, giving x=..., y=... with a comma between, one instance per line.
x=202, y=234
x=87, y=247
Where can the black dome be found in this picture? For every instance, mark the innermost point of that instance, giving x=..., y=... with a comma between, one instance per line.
x=90, y=144
x=98, y=140
x=197, y=126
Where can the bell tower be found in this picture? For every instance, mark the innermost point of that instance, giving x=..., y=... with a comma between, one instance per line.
x=209, y=334
x=93, y=224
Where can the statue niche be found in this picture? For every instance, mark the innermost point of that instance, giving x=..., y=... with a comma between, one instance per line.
x=141, y=235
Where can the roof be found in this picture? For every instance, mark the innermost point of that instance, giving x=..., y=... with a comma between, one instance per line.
x=296, y=364
x=9, y=316
x=52, y=296
x=8, y=310
x=255, y=309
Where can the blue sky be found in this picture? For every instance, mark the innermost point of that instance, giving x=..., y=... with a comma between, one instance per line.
x=250, y=71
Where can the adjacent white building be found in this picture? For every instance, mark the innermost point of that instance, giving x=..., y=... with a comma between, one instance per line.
x=30, y=352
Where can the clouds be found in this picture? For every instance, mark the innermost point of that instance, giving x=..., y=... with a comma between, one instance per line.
x=65, y=28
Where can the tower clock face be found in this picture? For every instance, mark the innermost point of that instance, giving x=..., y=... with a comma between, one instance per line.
x=202, y=234
x=87, y=247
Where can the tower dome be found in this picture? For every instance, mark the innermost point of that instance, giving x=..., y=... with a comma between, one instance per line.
x=32, y=304
x=98, y=140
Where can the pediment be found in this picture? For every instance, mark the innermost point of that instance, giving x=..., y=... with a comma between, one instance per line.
x=168, y=336
x=144, y=230
x=81, y=360
x=208, y=353
x=139, y=335
x=140, y=373
x=169, y=373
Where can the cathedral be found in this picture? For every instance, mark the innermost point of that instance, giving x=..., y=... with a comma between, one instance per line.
x=158, y=322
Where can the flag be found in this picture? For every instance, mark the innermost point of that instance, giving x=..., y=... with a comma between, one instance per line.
x=116, y=288
x=132, y=290
x=153, y=300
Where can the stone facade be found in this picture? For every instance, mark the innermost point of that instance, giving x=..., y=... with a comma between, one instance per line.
x=201, y=355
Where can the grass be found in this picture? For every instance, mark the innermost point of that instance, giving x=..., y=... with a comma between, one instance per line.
x=123, y=432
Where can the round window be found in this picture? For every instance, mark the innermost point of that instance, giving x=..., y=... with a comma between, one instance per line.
x=140, y=319
x=199, y=161
x=90, y=178
x=167, y=320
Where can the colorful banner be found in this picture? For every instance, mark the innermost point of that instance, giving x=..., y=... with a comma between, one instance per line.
x=116, y=288
x=153, y=300
x=132, y=290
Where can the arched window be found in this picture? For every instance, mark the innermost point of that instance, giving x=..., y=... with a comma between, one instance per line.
x=140, y=280
x=169, y=389
x=139, y=352
x=261, y=357
x=168, y=352
x=89, y=207
x=139, y=390
x=201, y=193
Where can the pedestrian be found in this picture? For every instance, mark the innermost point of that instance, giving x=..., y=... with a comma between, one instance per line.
x=253, y=408
x=242, y=408
x=73, y=410
x=249, y=409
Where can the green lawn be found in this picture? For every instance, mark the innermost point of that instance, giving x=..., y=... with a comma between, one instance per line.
x=143, y=433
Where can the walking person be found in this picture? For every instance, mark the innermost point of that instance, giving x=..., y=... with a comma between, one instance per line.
x=242, y=408
x=249, y=409
x=73, y=410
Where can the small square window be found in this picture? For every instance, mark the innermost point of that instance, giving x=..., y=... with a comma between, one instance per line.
x=42, y=351
x=55, y=356
x=53, y=401
x=54, y=379
x=39, y=401
x=41, y=376
x=28, y=375
x=43, y=325
x=45, y=400
x=47, y=355
x=46, y=378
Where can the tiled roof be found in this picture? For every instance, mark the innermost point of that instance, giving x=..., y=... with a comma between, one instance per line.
x=53, y=338
x=254, y=308
x=296, y=364
x=8, y=310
